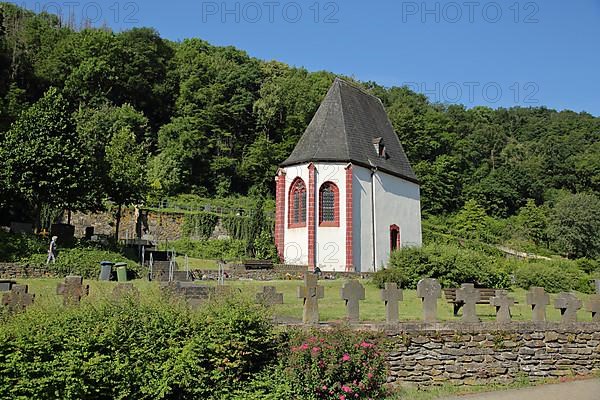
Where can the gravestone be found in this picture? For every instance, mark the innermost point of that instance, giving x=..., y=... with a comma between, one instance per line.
x=311, y=292
x=429, y=290
x=593, y=306
x=21, y=228
x=597, y=282
x=269, y=296
x=503, y=303
x=72, y=290
x=193, y=293
x=469, y=296
x=6, y=285
x=126, y=290
x=18, y=298
x=568, y=304
x=391, y=295
x=352, y=292
x=538, y=299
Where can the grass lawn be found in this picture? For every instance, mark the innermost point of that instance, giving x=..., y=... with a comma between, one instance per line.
x=331, y=307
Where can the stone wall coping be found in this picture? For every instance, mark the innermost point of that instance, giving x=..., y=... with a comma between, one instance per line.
x=462, y=328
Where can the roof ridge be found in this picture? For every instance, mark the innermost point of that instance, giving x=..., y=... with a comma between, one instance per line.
x=357, y=87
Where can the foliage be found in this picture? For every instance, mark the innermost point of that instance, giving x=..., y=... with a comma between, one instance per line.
x=134, y=350
x=575, y=225
x=554, y=276
x=450, y=264
x=15, y=247
x=336, y=365
x=264, y=247
x=200, y=225
x=83, y=261
x=470, y=221
x=212, y=249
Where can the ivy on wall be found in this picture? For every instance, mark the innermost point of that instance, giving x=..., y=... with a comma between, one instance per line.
x=200, y=225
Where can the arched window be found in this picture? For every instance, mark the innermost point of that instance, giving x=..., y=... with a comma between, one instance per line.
x=394, y=238
x=329, y=205
x=297, y=204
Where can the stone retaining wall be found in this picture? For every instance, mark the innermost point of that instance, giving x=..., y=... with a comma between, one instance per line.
x=18, y=271
x=466, y=354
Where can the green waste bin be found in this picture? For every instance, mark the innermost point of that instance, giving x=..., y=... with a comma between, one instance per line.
x=121, y=272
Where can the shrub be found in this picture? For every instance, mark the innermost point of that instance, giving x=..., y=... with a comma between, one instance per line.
x=339, y=364
x=554, y=276
x=82, y=261
x=13, y=247
x=450, y=264
x=134, y=350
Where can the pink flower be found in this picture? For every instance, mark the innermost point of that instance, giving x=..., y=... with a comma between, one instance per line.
x=366, y=345
x=347, y=389
x=304, y=346
x=346, y=357
x=342, y=397
x=324, y=387
x=370, y=375
x=316, y=349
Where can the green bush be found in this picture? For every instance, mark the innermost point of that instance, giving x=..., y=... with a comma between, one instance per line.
x=338, y=364
x=554, y=276
x=134, y=350
x=14, y=247
x=81, y=261
x=450, y=264
x=201, y=224
x=211, y=249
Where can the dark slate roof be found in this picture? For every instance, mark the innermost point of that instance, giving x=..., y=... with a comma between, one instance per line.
x=346, y=128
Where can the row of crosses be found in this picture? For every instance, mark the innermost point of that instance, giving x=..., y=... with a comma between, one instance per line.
x=72, y=290
x=430, y=290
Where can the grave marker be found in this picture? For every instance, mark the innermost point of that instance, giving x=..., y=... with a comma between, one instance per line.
x=18, y=299
x=72, y=290
x=593, y=306
x=503, y=303
x=469, y=296
x=126, y=290
x=311, y=292
x=538, y=299
x=352, y=292
x=568, y=304
x=391, y=295
x=269, y=296
x=429, y=290
x=597, y=282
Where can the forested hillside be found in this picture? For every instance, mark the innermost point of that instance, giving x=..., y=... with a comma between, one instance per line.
x=88, y=115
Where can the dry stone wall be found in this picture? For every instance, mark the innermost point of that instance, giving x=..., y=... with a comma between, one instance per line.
x=466, y=354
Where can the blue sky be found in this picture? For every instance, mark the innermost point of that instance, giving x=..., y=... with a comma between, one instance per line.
x=494, y=53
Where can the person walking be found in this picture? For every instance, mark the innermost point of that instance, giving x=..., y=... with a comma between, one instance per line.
x=52, y=251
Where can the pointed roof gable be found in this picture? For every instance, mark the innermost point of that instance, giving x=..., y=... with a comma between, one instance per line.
x=349, y=126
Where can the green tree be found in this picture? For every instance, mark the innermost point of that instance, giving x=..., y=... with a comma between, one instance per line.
x=43, y=160
x=533, y=222
x=126, y=172
x=470, y=222
x=575, y=226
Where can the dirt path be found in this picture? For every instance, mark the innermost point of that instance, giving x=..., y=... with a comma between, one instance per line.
x=579, y=390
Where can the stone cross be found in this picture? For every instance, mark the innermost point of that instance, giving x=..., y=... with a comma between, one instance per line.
x=503, y=303
x=18, y=298
x=568, y=304
x=469, y=296
x=311, y=292
x=126, y=290
x=391, y=295
x=597, y=282
x=429, y=290
x=352, y=292
x=538, y=299
x=593, y=306
x=72, y=290
x=269, y=295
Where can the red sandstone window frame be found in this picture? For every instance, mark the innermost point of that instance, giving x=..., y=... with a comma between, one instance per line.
x=336, y=205
x=297, y=186
x=398, y=244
